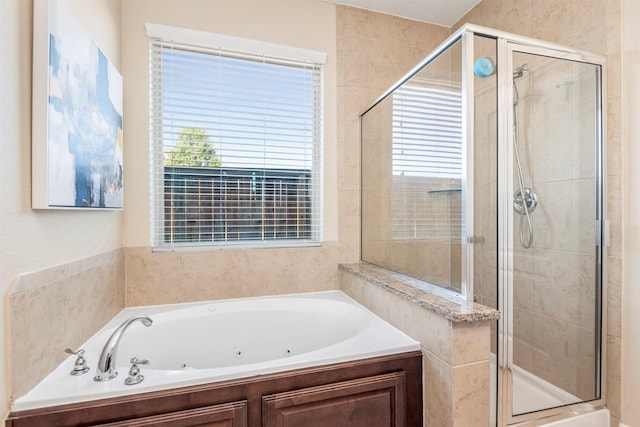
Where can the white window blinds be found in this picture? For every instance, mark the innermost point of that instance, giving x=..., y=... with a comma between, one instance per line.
x=236, y=136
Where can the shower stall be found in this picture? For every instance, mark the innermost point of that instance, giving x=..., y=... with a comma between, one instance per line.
x=483, y=173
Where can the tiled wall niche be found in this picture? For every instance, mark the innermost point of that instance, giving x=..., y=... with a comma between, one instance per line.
x=57, y=308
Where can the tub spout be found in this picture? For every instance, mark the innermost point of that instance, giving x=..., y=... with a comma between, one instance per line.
x=107, y=363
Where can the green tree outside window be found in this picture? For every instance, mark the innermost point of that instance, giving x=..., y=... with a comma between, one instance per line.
x=192, y=149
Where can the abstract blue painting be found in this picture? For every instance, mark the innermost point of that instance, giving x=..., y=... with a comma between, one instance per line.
x=84, y=118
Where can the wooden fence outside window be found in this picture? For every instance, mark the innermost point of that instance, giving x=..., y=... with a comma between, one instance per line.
x=234, y=204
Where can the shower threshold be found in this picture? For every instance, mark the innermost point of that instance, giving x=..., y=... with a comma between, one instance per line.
x=531, y=393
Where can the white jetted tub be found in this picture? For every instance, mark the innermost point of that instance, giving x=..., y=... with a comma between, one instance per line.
x=204, y=342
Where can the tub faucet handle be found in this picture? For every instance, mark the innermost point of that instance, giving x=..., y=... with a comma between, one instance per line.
x=136, y=361
x=135, y=376
x=80, y=366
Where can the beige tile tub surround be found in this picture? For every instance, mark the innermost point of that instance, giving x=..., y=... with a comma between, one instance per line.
x=60, y=307
x=454, y=336
x=175, y=277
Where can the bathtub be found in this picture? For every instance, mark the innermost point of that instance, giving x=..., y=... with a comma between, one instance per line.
x=204, y=342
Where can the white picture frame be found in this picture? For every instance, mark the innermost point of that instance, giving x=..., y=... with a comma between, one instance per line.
x=77, y=139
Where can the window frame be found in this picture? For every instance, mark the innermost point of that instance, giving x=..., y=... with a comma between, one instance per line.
x=209, y=41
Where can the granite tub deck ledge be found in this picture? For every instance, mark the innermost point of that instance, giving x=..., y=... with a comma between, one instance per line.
x=426, y=295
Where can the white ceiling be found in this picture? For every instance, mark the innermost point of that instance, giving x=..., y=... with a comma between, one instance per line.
x=441, y=12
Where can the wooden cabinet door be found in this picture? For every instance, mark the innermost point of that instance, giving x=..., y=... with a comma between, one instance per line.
x=377, y=401
x=225, y=415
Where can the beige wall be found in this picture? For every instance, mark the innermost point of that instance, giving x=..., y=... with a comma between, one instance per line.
x=168, y=277
x=36, y=240
x=631, y=136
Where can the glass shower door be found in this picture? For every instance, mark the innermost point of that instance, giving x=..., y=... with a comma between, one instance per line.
x=553, y=210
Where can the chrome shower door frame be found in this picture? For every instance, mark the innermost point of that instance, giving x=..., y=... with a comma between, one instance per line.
x=506, y=48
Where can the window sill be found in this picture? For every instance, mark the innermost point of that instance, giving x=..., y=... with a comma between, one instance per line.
x=239, y=246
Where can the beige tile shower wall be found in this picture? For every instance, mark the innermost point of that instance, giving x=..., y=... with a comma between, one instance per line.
x=485, y=184
x=434, y=261
x=377, y=184
x=593, y=26
x=60, y=307
x=554, y=295
x=431, y=255
x=374, y=52
x=631, y=127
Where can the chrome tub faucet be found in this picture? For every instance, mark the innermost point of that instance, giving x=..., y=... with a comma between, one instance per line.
x=107, y=363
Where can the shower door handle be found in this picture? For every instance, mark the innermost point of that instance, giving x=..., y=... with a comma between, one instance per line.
x=602, y=233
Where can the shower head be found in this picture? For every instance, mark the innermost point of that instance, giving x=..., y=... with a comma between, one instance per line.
x=520, y=71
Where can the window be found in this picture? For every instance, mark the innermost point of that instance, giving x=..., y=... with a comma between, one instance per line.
x=236, y=141
x=427, y=161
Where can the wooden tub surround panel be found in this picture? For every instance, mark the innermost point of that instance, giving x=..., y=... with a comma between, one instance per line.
x=380, y=391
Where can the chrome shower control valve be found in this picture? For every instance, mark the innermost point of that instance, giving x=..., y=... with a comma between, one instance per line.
x=530, y=200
